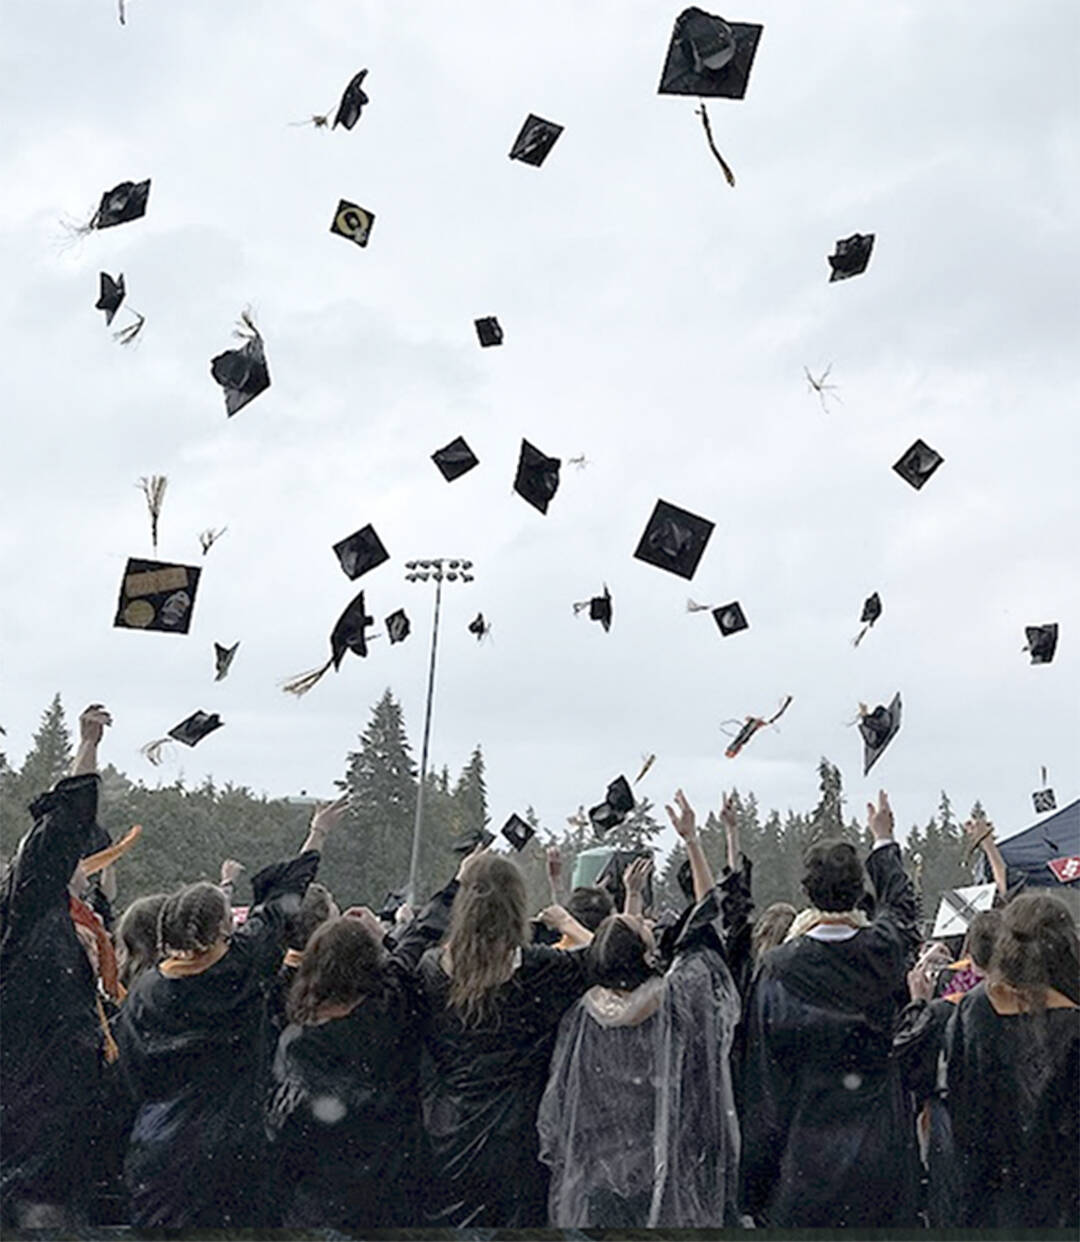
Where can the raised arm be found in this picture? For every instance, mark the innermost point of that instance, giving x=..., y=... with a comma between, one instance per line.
x=635, y=878
x=895, y=893
x=731, y=831
x=555, y=875
x=327, y=816
x=92, y=725
x=685, y=824
x=563, y=921
x=980, y=834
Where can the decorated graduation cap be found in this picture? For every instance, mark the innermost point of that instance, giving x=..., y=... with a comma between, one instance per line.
x=478, y=840
x=618, y=803
x=518, y=832
x=535, y=140
x=878, y=728
x=1041, y=642
x=751, y=725
x=242, y=372
x=189, y=732
x=223, y=658
x=674, y=539
x=360, y=552
x=348, y=634
x=352, y=102
x=156, y=595
x=959, y=906
x=708, y=56
x=111, y=296
x=454, y=459
x=398, y=626
x=537, y=478
x=489, y=332
x=599, y=608
x=730, y=618
x=918, y=463
x=871, y=610
x=851, y=257
x=353, y=222
x=478, y=627
x=123, y=203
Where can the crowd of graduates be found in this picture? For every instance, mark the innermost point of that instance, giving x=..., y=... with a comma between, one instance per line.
x=598, y=1065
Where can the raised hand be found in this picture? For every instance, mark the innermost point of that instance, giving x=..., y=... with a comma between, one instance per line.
x=230, y=870
x=554, y=864
x=636, y=875
x=92, y=724
x=684, y=821
x=880, y=818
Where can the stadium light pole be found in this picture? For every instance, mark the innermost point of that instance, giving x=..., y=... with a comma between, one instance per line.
x=437, y=571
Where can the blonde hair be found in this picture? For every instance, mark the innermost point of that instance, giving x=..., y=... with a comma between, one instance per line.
x=488, y=923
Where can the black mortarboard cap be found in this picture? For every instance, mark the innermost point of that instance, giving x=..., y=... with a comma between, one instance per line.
x=1044, y=801
x=730, y=618
x=1041, y=642
x=518, y=832
x=111, y=296
x=455, y=459
x=397, y=626
x=600, y=609
x=709, y=56
x=124, y=202
x=489, y=332
x=352, y=221
x=352, y=102
x=155, y=595
x=918, y=464
x=535, y=140
x=223, y=658
x=871, y=609
x=480, y=839
x=242, y=372
x=617, y=804
x=611, y=875
x=674, y=539
x=349, y=634
x=852, y=256
x=360, y=552
x=878, y=728
x=196, y=727
x=537, y=476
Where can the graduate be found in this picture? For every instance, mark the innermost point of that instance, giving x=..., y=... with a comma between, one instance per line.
x=492, y=1003
x=826, y=1138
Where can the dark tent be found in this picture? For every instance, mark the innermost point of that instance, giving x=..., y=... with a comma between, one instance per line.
x=1028, y=853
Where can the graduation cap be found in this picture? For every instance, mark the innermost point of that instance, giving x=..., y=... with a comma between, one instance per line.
x=618, y=803
x=189, y=732
x=708, y=56
x=489, y=332
x=1041, y=642
x=1044, y=801
x=352, y=221
x=124, y=202
x=352, y=102
x=397, y=626
x=871, y=610
x=455, y=459
x=878, y=728
x=518, y=832
x=537, y=478
x=599, y=608
x=111, y=296
x=242, y=372
x=959, y=906
x=535, y=140
x=223, y=658
x=155, y=595
x=348, y=634
x=918, y=464
x=852, y=256
x=360, y=552
x=730, y=619
x=479, y=626
x=480, y=839
x=751, y=725
x=674, y=539
x=612, y=872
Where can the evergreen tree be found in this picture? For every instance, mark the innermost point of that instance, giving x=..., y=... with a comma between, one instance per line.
x=637, y=831
x=49, y=758
x=470, y=797
x=827, y=818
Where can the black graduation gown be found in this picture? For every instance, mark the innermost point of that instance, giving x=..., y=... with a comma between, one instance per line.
x=1011, y=1083
x=345, y=1110
x=481, y=1088
x=190, y=1048
x=826, y=1133
x=51, y=1039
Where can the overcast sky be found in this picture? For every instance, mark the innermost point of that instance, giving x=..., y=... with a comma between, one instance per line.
x=656, y=321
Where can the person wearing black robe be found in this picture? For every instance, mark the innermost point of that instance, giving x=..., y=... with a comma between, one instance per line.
x=345, y=1108
x=1012, y=1063
x=52, y=1034
x=190, y=1049
x=827, y=1139
x=491, y=1008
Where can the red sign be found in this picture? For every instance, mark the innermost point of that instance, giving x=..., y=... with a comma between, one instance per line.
x=1066, y=869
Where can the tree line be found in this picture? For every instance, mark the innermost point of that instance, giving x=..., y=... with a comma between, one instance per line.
x=187, y=831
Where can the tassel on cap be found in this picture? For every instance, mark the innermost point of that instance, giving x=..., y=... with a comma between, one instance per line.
x=305, y=681
x=728, y=174
x=153, y=488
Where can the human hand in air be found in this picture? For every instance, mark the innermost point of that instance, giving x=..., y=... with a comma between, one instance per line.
x=92, y=724
x=978, y=830
x=880, y=818
x=554, y=916
x=636, y=876
x=684, y=821
x=230, y=871
x=554, y=864
x=923, y=975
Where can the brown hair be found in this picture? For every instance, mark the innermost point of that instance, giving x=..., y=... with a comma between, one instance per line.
x=981, y=935
x=833, y=878
x=137, y=938
x=342, y=964
x=618, y=955
x=489, y=920
x=192, y=918
x=315, y=909
x=1036, y=949
x=590, y=906
x=772, y=925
